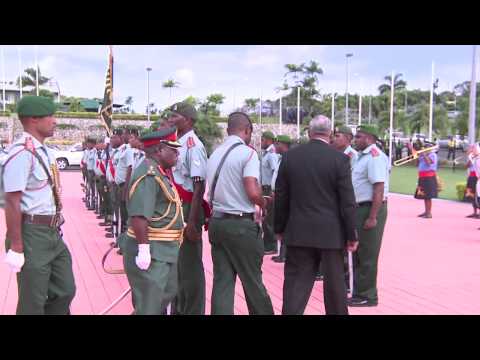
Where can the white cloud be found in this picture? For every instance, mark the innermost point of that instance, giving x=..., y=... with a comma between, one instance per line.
x=185, y=77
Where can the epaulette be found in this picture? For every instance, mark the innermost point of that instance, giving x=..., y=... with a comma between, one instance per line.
x=374, y=152
x=29, y=144
x=190, y=142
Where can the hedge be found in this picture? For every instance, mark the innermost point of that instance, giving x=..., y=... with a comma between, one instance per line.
x=67, y=127
x=4, y=113
x=90, y=115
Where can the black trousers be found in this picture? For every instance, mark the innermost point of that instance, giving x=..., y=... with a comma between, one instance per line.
x=301, y=266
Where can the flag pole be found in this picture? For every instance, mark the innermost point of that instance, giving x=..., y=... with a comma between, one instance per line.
x=280, y=115
x=333, y=111
x=4, y=81
x=430, y=118
x=473, y=96
x=20, y=71
x=36, y=69
x=298, y=112
x=392, y=89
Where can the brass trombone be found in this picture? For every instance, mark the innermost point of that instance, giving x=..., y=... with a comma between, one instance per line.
x=415, y=154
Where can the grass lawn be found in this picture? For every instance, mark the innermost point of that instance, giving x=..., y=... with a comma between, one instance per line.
x=403, y=180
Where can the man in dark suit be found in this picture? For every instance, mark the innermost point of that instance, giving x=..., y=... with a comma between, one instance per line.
x=315, y=214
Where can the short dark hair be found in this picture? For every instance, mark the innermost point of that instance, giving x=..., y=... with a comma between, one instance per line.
x=238, y=121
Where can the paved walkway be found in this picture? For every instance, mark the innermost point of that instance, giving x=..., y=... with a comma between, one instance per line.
x=427, y=266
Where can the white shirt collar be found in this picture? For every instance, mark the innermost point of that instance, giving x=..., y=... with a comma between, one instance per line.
x=236, y=137
x=37, y=144
x=185, y=137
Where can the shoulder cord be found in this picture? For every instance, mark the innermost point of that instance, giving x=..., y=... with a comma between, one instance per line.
x=172, y=199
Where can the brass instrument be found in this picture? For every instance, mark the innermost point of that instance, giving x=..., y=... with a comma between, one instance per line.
x=415, y=154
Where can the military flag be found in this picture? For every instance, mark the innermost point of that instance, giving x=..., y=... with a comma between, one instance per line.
x=107, y=105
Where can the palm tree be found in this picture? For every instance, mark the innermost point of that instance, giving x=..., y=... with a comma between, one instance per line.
x=129, y=102
x=398, y=84
x=313, y=70
x=284, y=87
x=251, y=104
x=170, y=84
x=294, y=69
x=30, y=78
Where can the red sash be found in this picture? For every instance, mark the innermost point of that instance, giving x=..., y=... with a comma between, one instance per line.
x=111, y=167
x=187, y=197
x=423, y=174
x=472, y=173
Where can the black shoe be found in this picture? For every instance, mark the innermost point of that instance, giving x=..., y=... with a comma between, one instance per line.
x=105, y=223
x=109, y=235
x=278, y=259
x=90, y=208
x=100, y=216
x=270, y=252
x=319, y=277
x=361, y=302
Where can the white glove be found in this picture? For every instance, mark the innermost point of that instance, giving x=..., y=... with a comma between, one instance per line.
x=143, y=258
x=15, y=260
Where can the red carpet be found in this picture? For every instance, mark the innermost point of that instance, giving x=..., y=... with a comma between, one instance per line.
x=427, y=266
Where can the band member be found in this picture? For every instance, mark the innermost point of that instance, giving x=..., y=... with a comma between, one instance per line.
x=470, y=190
x=427, y=188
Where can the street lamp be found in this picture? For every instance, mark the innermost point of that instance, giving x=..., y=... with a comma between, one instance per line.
x=58, y=87
x=349, y=55
x=148, y=95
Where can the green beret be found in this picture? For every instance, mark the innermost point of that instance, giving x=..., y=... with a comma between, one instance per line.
x=369, y=129
x=166, y=136
x=36, y=106
x=344, y=130
x=284, y=139
x=268, y=135
x=184, y=109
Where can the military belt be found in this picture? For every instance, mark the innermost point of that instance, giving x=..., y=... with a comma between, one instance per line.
x=221, y=215
x=368, y=203
x=53, y=221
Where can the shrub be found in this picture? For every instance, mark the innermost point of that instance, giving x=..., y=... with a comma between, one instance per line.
x=92, y=115
x=60, y=142
x=461, y=190
x=67, y=127
x=4, y=113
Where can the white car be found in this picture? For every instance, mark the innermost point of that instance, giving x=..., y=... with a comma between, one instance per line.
x=71, y=157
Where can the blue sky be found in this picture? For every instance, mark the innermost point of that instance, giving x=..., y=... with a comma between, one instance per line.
x=238, y=72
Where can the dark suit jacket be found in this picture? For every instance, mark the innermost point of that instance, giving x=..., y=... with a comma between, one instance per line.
x=314, y=199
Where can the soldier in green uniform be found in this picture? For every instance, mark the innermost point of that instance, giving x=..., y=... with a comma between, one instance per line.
x=269, y=162
x=91, y=163
x=34, y=243
x=100, y=181
x=155, y=226
x=370, y=183
x=115, y=142
x=342, y=141
x=233, y=171
x=189, y=177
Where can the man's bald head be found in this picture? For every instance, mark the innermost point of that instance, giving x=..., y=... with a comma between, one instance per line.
x=240, y=124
